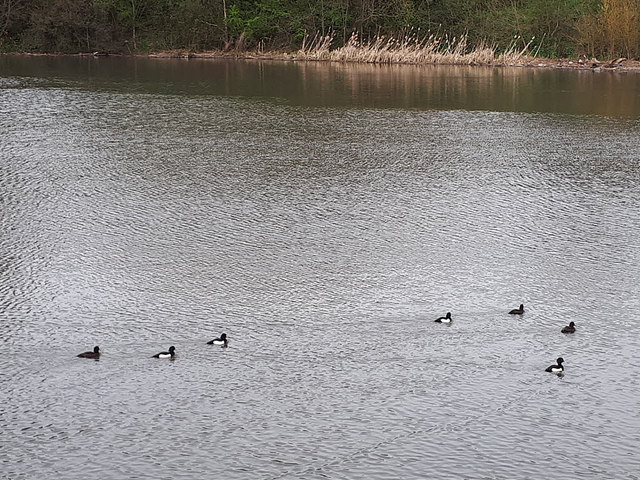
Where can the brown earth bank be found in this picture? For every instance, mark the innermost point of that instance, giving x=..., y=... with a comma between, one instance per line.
x=619, y=64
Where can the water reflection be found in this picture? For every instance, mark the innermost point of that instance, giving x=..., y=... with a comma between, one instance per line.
x=432, y=87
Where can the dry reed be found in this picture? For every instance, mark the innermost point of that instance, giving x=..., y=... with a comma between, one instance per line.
x=412, y=48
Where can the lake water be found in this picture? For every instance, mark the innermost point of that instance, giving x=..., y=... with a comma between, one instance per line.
x=322, y=216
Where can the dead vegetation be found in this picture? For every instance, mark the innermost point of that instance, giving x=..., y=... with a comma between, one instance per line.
x=413, y=49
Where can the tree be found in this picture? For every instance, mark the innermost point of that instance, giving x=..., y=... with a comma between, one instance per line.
x=620, y=21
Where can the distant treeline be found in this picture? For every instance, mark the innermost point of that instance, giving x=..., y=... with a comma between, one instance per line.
x=559, y=28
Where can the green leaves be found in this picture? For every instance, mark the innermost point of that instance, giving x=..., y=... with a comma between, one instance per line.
x=560, y=27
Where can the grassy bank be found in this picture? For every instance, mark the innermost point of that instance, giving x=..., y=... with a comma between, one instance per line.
x=412, y=50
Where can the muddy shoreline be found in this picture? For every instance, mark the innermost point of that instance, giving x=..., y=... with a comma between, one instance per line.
x=618, y=65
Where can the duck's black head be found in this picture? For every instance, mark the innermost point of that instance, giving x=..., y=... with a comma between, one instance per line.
x=560, y=360
x=172, y=349
x=448, y=315
x=96, y=349
x=521, y=306
x=223, y=336
x=571, y=324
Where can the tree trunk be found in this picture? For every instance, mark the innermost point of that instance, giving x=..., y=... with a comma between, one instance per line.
x=133, y=25
x=226, y=29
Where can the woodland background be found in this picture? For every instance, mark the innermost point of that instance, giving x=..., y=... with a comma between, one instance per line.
x=553, y=28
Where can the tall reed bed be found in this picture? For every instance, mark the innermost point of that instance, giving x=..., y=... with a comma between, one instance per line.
x=413, y=48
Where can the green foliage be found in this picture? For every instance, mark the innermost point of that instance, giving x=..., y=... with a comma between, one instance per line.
x=269, y=20
x=62, y=26
x=235, y=22
x=553, y=27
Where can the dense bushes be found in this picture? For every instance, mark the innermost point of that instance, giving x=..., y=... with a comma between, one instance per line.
x=604, y=28
x=613, y=29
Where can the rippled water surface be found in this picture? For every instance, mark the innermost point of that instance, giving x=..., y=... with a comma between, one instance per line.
x=321, y=216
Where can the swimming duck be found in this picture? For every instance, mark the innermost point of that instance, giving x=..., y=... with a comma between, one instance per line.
x=446, y=319
x=222, y=340
x=94, y=354
x=571, y=328
x=558, y=368
x=170, y=354
x=517, y=311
